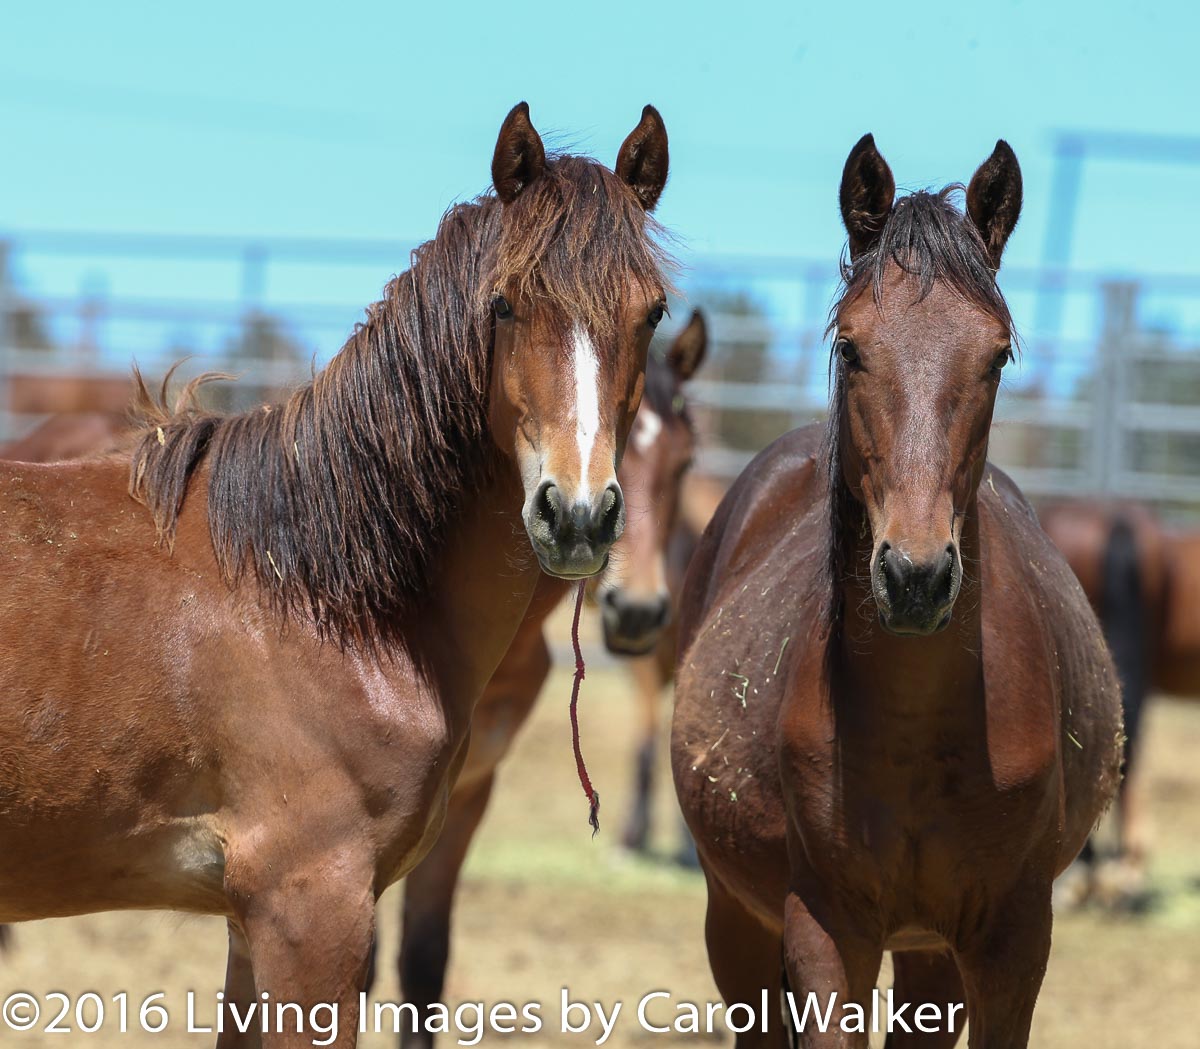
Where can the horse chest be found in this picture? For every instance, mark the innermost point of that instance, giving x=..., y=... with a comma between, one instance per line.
x=905, y=814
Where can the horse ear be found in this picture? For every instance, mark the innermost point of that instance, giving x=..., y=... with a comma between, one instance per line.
x=687, y=351
x=866, y=195
x=994, y=199
x=520, y=156
x=642, y=161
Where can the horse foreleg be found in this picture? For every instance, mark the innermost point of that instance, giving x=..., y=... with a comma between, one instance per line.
x=309, y=925
x=824, y=958
x=240, y=993
x=428, y=906
x=744, y=958
x=1003, y=970
x=928, y=978
x=648, y=685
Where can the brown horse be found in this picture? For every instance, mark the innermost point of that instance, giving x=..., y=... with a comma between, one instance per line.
x=57, y=439
x=659, y=452
x=1143, y=581
x=63, y=437
x=267, y=718
x=634, y=593
x=896, y=718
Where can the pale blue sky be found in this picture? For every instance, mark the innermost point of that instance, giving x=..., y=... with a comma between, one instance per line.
x=367, y=119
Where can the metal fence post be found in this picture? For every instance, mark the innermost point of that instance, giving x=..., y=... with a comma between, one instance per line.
x=1110, y=425
x=7, y=299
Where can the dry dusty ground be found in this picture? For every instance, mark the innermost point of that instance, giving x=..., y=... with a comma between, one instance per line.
x=543, y=906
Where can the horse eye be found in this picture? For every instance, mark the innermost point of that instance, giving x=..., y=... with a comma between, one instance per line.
x=501, y=307
x=1001, y=359
x=656, y=315
x=847, y=351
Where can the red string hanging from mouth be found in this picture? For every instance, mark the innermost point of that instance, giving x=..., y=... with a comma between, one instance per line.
x=580, y=767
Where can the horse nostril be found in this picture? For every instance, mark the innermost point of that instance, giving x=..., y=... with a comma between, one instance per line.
x=892, y=568
x=547, y=506
x=943, y=579
x=612, y=515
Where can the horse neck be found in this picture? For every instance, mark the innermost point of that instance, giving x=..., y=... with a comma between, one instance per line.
x=872, y=670
x=481, y=589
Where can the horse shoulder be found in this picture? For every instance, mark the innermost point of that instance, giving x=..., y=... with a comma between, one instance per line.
x=771, y=500
x=745, y=621
x=1045, y=647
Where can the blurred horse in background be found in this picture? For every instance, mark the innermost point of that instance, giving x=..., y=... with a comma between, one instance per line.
x=1143, y=581
x=654, y=671
x=636, y=607
x=69, y=436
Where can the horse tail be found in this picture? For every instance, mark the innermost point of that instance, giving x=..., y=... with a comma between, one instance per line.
x=1124, y=619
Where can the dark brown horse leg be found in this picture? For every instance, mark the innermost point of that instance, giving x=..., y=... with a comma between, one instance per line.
x=744, y=958
x=309, y=930
x=1003, y=972
x=821, y=962
x=928, y=977
x=429, y=902
x=648, y=683
x=239, y=993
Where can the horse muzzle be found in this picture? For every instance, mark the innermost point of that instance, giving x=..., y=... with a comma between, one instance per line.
x=572, y=537
x=633, y=624
x=915, y=596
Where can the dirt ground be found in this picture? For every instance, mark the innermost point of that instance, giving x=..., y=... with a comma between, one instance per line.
x=543, y=907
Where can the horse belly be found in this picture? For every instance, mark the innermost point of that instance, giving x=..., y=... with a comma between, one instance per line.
x=57, y=871
x=107, y=782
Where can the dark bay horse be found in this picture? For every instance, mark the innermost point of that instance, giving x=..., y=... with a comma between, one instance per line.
x=635, y=609
x=1143, y=581
x=896, y=717
x=246, y=689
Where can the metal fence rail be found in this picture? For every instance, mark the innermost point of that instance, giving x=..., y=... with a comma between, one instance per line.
x=1109, y=403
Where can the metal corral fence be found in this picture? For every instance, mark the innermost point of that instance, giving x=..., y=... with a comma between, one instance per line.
x=1108, y=403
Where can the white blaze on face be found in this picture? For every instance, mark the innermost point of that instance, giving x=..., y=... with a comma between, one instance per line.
x=587, y=401
x=646, y=429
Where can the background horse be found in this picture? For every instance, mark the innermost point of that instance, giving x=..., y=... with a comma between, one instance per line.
x=896, y=719
x=1143, y=581
x=267, y=721
x=644, y=584
x=659, y=452
x=63, y=437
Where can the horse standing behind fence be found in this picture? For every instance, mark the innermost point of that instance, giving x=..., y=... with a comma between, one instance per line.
x=896, y=718
x=248, y=695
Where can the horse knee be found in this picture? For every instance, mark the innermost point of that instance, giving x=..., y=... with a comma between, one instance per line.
x=309, y=928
